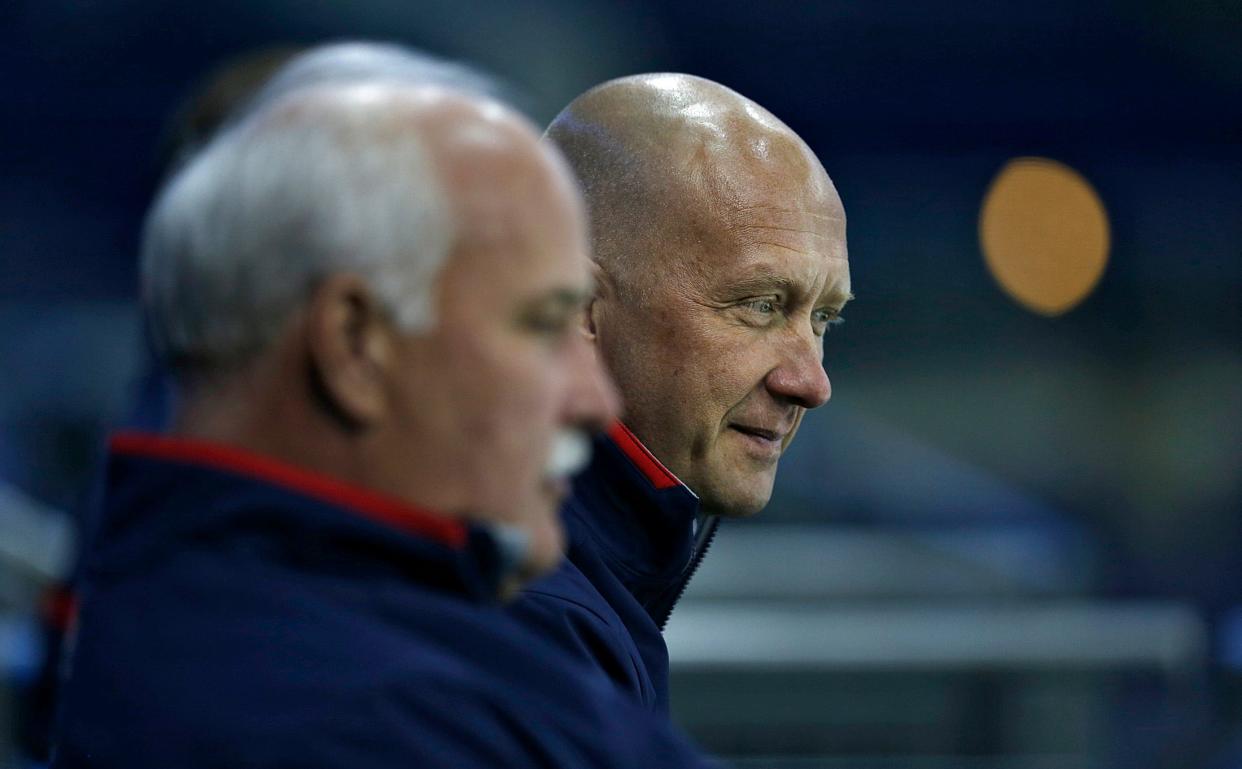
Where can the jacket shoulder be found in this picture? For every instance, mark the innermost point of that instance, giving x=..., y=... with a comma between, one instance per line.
x=567, y=610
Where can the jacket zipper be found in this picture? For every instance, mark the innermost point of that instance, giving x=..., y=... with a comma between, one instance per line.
x=702, y=543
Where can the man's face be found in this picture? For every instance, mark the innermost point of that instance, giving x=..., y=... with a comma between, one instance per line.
x=719, y=355
x=507, y=367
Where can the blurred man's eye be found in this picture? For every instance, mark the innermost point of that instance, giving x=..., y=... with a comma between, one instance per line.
x=555, y=317
x=550, y=325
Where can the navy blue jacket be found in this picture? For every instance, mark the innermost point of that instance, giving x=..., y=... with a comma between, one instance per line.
x=634, y=541
x=239, y=612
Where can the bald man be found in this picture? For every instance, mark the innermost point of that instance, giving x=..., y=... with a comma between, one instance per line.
x=720, y=264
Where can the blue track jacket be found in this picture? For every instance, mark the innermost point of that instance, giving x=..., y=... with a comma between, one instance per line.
x=239, y=612
x=635, y=539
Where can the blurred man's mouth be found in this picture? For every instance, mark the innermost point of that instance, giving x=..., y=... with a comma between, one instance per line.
x=556, y=488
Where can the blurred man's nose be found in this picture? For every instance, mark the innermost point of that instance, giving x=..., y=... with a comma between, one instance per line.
x=593, y=402
x=800, y=378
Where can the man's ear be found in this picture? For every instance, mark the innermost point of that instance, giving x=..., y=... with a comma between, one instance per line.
x=350, y=340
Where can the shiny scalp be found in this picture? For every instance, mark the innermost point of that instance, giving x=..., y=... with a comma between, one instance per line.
x=665, y=159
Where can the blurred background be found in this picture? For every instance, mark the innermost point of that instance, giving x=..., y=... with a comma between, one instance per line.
x=1012, y=539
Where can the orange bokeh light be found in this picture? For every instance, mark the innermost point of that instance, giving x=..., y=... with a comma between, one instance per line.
x=1044, y=234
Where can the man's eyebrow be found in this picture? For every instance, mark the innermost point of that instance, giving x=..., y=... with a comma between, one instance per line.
x=763, y=281
x=836, y=300
x=768, y=281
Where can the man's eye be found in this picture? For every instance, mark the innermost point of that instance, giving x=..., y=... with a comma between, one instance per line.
x=825, y=319
x=765, y=306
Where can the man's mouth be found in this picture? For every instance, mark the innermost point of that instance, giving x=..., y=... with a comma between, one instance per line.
x=759, y=432
x=762, y=443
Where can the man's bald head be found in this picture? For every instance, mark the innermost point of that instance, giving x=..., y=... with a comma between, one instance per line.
x=666, y=159
x=721, y=247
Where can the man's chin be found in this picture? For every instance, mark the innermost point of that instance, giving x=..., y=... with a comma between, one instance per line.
x=751, y=488
x=743, y=510
x=741, y=499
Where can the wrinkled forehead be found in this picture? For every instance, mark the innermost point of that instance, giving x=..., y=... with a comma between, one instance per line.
x=781, y=222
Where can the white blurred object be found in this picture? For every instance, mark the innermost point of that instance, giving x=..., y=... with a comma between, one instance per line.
x=571, y=451
x=36, y=541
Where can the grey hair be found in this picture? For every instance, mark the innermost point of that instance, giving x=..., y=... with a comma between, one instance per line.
x=312, y=183
x=355, y=61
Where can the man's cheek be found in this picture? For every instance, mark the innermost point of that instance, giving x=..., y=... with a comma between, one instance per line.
x=726, y=388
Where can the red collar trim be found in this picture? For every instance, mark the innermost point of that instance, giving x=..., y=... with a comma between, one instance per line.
x=369, y=504
x=659, y=475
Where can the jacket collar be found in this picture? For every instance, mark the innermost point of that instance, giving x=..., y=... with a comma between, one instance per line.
x=162, y=490
x=637, y=512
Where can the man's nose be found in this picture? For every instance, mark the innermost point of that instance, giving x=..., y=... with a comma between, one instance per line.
x=592, y=400
x=800, y=378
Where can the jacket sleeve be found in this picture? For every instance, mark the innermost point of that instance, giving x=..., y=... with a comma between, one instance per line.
x=586, y=637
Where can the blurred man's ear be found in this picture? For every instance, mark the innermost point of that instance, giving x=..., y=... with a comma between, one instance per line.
x=588, y=320
x=350, y=340
x=602, y=288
